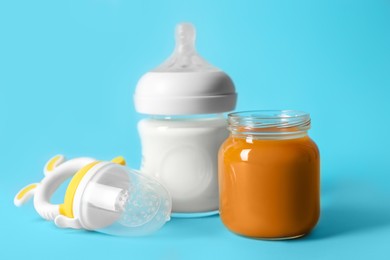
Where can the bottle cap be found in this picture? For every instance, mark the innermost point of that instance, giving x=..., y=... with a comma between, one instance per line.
x=185, y=83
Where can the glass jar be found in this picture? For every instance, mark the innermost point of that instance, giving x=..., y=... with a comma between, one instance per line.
x=269, y=175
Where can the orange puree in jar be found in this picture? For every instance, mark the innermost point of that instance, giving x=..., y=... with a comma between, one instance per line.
x=269, y=175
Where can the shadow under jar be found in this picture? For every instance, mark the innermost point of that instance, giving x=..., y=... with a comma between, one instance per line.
x=269, y=175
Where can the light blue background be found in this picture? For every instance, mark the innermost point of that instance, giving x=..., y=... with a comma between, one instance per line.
x=68, y=70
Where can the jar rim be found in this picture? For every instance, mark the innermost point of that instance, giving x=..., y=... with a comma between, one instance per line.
x=270, y=114
x=269, y=122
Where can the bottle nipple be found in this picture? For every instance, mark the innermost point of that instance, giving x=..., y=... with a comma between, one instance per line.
x=184, y=57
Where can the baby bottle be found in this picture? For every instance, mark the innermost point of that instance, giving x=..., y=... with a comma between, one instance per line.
x=184, y=100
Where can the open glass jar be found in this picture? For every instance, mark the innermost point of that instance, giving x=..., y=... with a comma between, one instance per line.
x=269, y=175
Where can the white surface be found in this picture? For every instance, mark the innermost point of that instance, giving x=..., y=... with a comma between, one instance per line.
x=103, y=196
x=182, y=154
x=65, y=222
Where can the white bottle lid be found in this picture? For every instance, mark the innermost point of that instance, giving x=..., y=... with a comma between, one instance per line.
x=185, y=84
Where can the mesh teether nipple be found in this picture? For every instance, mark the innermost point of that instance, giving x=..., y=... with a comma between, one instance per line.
x=103, y=196
x=185, y=58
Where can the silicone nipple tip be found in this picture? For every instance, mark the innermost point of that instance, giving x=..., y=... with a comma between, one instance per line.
x=185, y=58
x=185, y=38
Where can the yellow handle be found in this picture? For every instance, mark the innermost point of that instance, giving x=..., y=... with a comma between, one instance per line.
x=119, y=160
x=25, y=194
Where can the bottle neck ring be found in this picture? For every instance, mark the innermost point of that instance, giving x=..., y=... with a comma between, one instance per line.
x=188, y=117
